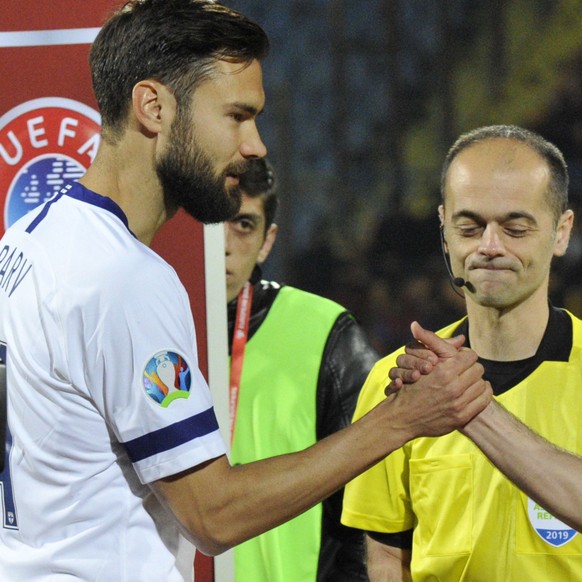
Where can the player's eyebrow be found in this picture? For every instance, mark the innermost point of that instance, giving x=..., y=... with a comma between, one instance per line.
x=247, y=108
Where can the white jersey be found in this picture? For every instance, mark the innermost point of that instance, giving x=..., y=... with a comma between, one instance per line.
x=104, y=395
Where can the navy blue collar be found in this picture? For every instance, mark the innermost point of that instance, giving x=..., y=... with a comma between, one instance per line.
x=79, y=192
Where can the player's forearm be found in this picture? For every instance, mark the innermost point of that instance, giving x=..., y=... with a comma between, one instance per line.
x=547, y=474
x=275, y=490
x=221, y=506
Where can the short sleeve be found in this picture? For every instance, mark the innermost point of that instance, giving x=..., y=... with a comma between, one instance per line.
x=378, y=499
x=141, y=369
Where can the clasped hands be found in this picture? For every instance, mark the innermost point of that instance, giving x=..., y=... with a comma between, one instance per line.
x=448, y=374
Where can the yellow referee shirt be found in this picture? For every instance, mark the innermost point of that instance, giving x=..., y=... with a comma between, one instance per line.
x=471, y=523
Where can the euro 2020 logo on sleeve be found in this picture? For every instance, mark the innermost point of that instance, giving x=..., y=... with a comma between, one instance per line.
x=44, y=143
x=167, y=377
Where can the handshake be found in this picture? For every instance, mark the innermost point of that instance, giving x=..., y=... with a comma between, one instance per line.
x=440, y=383
x=437, y=386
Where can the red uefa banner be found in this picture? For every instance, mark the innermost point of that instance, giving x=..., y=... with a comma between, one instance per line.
x=49, y=132
x=43, y=142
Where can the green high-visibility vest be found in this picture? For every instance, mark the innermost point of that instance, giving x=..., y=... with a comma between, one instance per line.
x=276, y=415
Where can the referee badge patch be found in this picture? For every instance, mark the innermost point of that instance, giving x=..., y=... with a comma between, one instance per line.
x=167, y=377
x=548, y=527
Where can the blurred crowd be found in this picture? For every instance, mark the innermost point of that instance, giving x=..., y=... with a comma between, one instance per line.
x=400, y=276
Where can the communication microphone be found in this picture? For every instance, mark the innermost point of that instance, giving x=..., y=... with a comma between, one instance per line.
x=457, y=281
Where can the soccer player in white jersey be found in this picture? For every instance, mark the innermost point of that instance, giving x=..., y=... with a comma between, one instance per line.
x=105, y=400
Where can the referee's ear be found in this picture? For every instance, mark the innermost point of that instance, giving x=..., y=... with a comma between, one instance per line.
x=441, y=212
x=444, y=245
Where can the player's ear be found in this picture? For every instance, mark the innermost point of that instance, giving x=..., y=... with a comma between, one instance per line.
x=268, y=243
x=153, y=105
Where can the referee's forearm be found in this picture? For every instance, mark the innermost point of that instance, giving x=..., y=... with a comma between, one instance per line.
x=546, y=473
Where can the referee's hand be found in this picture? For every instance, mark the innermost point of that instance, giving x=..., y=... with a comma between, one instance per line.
x=421, y=356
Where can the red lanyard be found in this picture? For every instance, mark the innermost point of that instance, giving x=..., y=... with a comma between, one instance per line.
x=239, y=341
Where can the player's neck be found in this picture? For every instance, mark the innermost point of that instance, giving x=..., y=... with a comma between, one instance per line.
x=124, y=174
x=508, y=334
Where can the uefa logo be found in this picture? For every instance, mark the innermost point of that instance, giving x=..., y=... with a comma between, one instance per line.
x=43, y=144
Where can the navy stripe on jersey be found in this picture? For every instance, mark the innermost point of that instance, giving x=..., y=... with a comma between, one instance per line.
x=44, y=212
x=171, y=436
x=79, y=192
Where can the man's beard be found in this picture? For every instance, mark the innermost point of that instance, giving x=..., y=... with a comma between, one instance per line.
x=189, y=182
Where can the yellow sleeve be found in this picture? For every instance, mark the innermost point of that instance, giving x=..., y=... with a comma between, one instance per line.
x=378, y=499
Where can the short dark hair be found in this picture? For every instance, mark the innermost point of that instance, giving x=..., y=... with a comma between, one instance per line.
x=175, y=42
x=559, y=179
x=258, y=181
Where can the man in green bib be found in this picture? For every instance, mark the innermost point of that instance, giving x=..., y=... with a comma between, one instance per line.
x=298, y=362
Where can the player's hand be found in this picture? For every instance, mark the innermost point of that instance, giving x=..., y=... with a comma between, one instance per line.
x=448, y=397
x=421, y=356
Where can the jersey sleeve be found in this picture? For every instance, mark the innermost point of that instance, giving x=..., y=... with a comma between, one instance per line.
x=378, y=500
x=142, y=371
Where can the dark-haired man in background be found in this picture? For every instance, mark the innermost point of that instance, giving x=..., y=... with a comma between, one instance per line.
x=297, y=367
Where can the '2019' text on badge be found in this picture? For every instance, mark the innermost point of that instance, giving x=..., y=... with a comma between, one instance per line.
x=550, y=529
